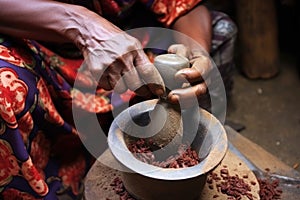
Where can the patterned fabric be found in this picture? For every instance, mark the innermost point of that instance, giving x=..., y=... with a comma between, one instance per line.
x=41, y=155
x=33, y=81
x=166, y=11
x=223, y=43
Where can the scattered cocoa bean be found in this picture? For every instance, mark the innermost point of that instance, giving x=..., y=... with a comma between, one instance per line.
x=269, y=189
x=252, y=182
x=296, y=165
x=233, y=186
x=267, y=169
x=245, y=176
x=120, y=190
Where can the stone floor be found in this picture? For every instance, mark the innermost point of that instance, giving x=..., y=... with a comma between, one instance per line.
x=270, y=111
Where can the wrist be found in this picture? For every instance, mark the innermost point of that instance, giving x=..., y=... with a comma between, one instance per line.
x=74, y=26
x=87, y=29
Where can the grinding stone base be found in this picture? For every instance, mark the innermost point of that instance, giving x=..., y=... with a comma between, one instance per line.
x=99, y=178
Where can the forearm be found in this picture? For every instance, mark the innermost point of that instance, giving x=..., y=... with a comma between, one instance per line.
x=34, y=19
x=197, y=25
x=48, y=20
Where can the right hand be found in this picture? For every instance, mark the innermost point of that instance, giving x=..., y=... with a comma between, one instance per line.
x=118, y=62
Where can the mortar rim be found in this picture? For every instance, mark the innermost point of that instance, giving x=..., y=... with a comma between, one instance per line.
x=120, y=151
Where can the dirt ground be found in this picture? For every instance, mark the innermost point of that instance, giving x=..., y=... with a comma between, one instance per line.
x=270, y=110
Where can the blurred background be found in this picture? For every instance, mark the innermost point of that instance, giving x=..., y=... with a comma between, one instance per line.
x=265, y=101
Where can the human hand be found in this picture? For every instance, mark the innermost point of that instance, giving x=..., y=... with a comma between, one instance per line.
x=195, y=76
x=119, y=63
x=113, y=58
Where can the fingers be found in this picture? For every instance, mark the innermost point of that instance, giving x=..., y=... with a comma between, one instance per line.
x=190, y=75
x=202, y=63
x=135, y=72
x=134, y=82
x=188, y=96
x=149, y=74
x=120, y=63
x=200, y=69
x=179, y=49
x=111, y=79
x=130, y=77
x=198, y=78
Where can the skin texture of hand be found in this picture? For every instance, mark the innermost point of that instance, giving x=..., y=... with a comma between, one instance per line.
x=109, y=52
x=195, y=76
x=119, y=63
x=197, y=25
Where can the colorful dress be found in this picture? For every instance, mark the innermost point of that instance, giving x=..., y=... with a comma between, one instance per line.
x=41, y=154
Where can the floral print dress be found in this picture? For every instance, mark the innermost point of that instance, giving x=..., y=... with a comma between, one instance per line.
x=31, y=126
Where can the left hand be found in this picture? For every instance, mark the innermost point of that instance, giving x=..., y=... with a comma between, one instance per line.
x=195, y=76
